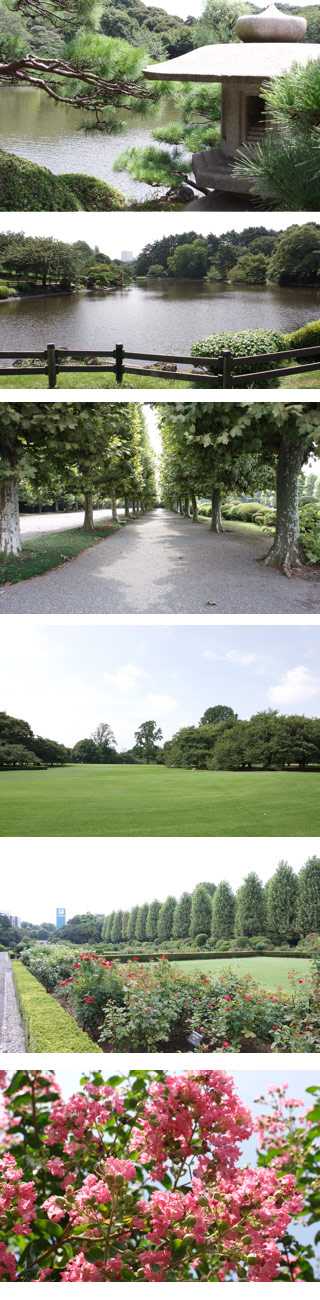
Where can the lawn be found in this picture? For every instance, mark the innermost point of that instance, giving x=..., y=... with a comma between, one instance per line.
x=86, y=379
x=146, y=801
x=47, y=551
x=271, y=972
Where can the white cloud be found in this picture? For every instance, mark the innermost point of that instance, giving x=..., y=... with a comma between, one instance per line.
x=243, y=660
x=164, y=703
x=126, y=677
x=296, y=687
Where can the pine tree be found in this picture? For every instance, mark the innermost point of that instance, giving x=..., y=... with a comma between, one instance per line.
x=249, y=914
x=125, y=924
x=281, y=904
x=223, y=910
x=152, y=920
x=116, y=930
x=182, y=918
x=201, y=912
x=166, y=914
x=132, y=924
x=107, y=927
x=141, y=923
x=309, y=896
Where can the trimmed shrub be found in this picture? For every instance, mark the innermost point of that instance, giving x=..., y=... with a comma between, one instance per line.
x=310, y=531
x=6, y=291
x=93, y=195
x=307, y=336
x=242, y=343
x=26, y=187
x=48, y=1027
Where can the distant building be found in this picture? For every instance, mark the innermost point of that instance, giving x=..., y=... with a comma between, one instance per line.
x=14, y=920
x=60, y=917
x=127, y=255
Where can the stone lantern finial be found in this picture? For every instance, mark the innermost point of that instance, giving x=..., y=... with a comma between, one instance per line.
x=270, y=24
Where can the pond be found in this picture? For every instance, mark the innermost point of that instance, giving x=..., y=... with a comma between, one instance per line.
x=164, y=317
x=55, y=136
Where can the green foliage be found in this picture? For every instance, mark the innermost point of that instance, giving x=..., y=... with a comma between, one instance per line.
x=182, y=917
x=141, y=925
x=223, y=909
x=309, y=896
x=281, y=904
x=241, y=343
x=295, y=259
x=250, y=913
x=189, y=261
x=310, y=532
x=151, y=928
x=283, y=168
x=27, y=187
x=48, y=1027
x=250, y=269
x=307, y=336
x=15, y=757
x=201, y=913
x=156, y=167
x=91, y=194
x=166, y=915
x=162, y=33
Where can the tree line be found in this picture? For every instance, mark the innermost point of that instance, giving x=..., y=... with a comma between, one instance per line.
x=254, y=255
x=220, y=742
x=212, y=450
x=285, y=910
x=91, y=451
x=28, y=262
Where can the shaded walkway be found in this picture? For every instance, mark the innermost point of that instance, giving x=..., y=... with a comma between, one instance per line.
x=163, y=563
x=12, y=1037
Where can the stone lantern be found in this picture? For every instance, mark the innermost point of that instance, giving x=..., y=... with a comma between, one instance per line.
x=268, y=46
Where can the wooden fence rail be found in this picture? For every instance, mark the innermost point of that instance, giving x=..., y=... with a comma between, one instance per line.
x=207, y=370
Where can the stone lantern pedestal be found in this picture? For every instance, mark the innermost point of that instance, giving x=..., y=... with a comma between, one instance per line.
x=268, y=46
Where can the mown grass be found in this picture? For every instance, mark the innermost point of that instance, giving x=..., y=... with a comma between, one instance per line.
x=47, y=551
x=89, y=380
x=271, y=972
x=48, y=1028
x=151, y=801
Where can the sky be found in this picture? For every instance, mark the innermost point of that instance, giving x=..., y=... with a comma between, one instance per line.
x=118, y=879
x=130, y=230
x=64, y=679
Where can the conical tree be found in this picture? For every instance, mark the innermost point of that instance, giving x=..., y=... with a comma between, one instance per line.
x=132, y=924
x=165, y=922
x=107, y=927
x=201, y=912
x=309, y=897
x=249, y=914
x=141, y=923
x=182, y=918
x=116, y=930
x=152, y=920
x=282, y=904
x=223, y=910
x=125, y=924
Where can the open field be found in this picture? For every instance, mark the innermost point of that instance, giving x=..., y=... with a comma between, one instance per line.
x=150, y=801
x=271, y=972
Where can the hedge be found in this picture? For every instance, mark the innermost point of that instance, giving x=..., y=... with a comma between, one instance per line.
x=48, y=1028
x=245, y=343
x=204, y=954
x=27, y=187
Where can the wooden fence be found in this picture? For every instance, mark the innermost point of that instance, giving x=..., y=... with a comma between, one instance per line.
x=224, y=373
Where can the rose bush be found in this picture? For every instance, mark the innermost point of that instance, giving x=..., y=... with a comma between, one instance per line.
x=138, y=1179
x=157, y=1007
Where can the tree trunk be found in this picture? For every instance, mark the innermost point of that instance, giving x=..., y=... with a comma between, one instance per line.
x=180, y=506
x=126, y=508
x=194, y=504
x=114, y=510
x=285, y=553
x=186, y=507
x=10, y=539
x=216, y=521
x=88, y=513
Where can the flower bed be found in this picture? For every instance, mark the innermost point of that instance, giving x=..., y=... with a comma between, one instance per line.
x=138, y=1179
x=139, y=1007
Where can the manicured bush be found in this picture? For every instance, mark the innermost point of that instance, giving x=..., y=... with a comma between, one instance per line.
x=47, y=1026
x=242, y=343
x=93, y=195
x=26, y=187
x=310, y=531
x=308, y=336
x=6, y=290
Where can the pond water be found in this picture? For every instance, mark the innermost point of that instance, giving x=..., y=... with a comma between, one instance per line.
x=55, y=136
x=158, y=318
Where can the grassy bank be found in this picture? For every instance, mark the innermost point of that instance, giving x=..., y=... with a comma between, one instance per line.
x=48, y=1028
x=122, y=800
x=49, y=550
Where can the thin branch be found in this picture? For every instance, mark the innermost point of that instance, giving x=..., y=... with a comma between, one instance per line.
x=22, y=70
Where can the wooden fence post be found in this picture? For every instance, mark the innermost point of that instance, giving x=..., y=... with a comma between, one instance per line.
x=51, y=365
x=118, y=352
x=227, y=369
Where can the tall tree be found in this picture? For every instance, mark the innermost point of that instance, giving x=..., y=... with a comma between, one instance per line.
x=147, y=738
x=165, y=922
x=116, y=929
x=132, y=924
x=201, y=912
x=309, y=896
x=281, y=904
x=218, y=713
x=249, y=913
x=223, y=910
x=182, y=917
x=152, y=919
x=141, y=924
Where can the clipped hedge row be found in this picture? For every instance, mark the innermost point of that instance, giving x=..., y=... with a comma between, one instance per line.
x=48, y=1027
x=204, y=953
x=28, y=187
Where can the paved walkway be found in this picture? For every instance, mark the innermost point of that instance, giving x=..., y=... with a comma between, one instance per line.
x=166, y=564
x=12, y=1037
x=53, y=522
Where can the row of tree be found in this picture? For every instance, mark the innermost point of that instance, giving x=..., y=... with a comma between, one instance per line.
x=93, y=451
x=290, y=257
x=212, y=450
x=28, y=262
x=283, y=911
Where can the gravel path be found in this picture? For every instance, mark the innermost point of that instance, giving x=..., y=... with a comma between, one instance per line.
x=54, y=522
x=12, y=1037
x=165, y=564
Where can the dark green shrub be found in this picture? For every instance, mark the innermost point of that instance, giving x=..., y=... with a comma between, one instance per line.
x=26, y=187
x=93, y=195
x=242, y=343
x=307, y=336
x=310, y=531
